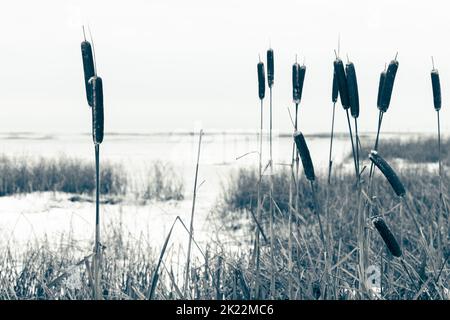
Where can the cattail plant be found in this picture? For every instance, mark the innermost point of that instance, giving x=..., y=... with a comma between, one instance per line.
x=386, y=85
x=308, y=168
x=270, y=68
x=378, y=222
x=334, y=97
x=380, y=87
x=261, y=94
x=88, y=68
x=296, y=100
x=387, y=236
x=270, y=81
x=388, y=173
x=94, y=93
x=298, y=78
x=353, y=95
x=437, y=100
x=345, y=100
x=97, y=109
x=391, y=243
x=398, y=188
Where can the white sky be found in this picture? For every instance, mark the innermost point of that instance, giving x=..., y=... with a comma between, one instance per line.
x=169, y=64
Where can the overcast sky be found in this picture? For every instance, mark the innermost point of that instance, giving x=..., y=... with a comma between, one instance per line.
x=170, y=64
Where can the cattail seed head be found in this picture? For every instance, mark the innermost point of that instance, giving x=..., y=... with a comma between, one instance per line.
x=387, y=236
x=388, y=85
x=388, y=173
x=261, y=80
x=352, y=84
x=270, y=68
x=295, y=83
x=342, y=83
x=305, y=156
x=435, y=82
x=335, y=90
x=97, y=109
x=88, y=68
x=380, y=88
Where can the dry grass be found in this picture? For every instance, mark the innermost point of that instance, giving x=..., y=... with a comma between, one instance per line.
x=71, y=175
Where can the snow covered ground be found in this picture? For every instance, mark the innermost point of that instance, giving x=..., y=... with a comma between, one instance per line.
x=31, y=217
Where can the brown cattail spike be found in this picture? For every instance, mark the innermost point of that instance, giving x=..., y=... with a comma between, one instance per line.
x=342, y=82
x=335, y=91
x=388, y=172
x=97, y=109
x=388, y=85
x=88, y=67
x=435, y=82
x=303, y=150
x=295, y=82
x=388, y=237
x=352, y=84
x=380, y=88
x=270, y=68
x=261, y=80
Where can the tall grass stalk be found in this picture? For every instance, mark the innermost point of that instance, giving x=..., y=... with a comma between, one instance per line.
x=387, y=80
x=270, y=68
x=98, y=249
x=292, y=180
x=261, y=94
x=334, y=96
x=350, y=131
x=437, y=101
x=191, y=227
x=94, y=93
x=345, y=100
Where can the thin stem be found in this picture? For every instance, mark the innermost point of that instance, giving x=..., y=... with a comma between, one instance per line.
x=258, y=206
x=297, y=176
x=272, y=233
x=297, y=165
x=191, y=227
x=97, y=249
x=316, y=211
x=357, y=149
x=330, y=162
x=351, y=139
x=291, y=191
x=380, y=120
x=439, y=155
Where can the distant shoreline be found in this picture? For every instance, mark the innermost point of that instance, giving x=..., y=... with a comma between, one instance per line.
x=343, y=134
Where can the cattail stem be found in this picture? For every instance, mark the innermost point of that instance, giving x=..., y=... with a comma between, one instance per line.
x=291, y=202
x=439, y=155
x=357, y=147
x=258, y=206
x=330, y=162
x=316, y=211
x=380, y=120
x=97, y=249
x=297, y=165
x=271, y=211
x=351, y=139
x=191, y=227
